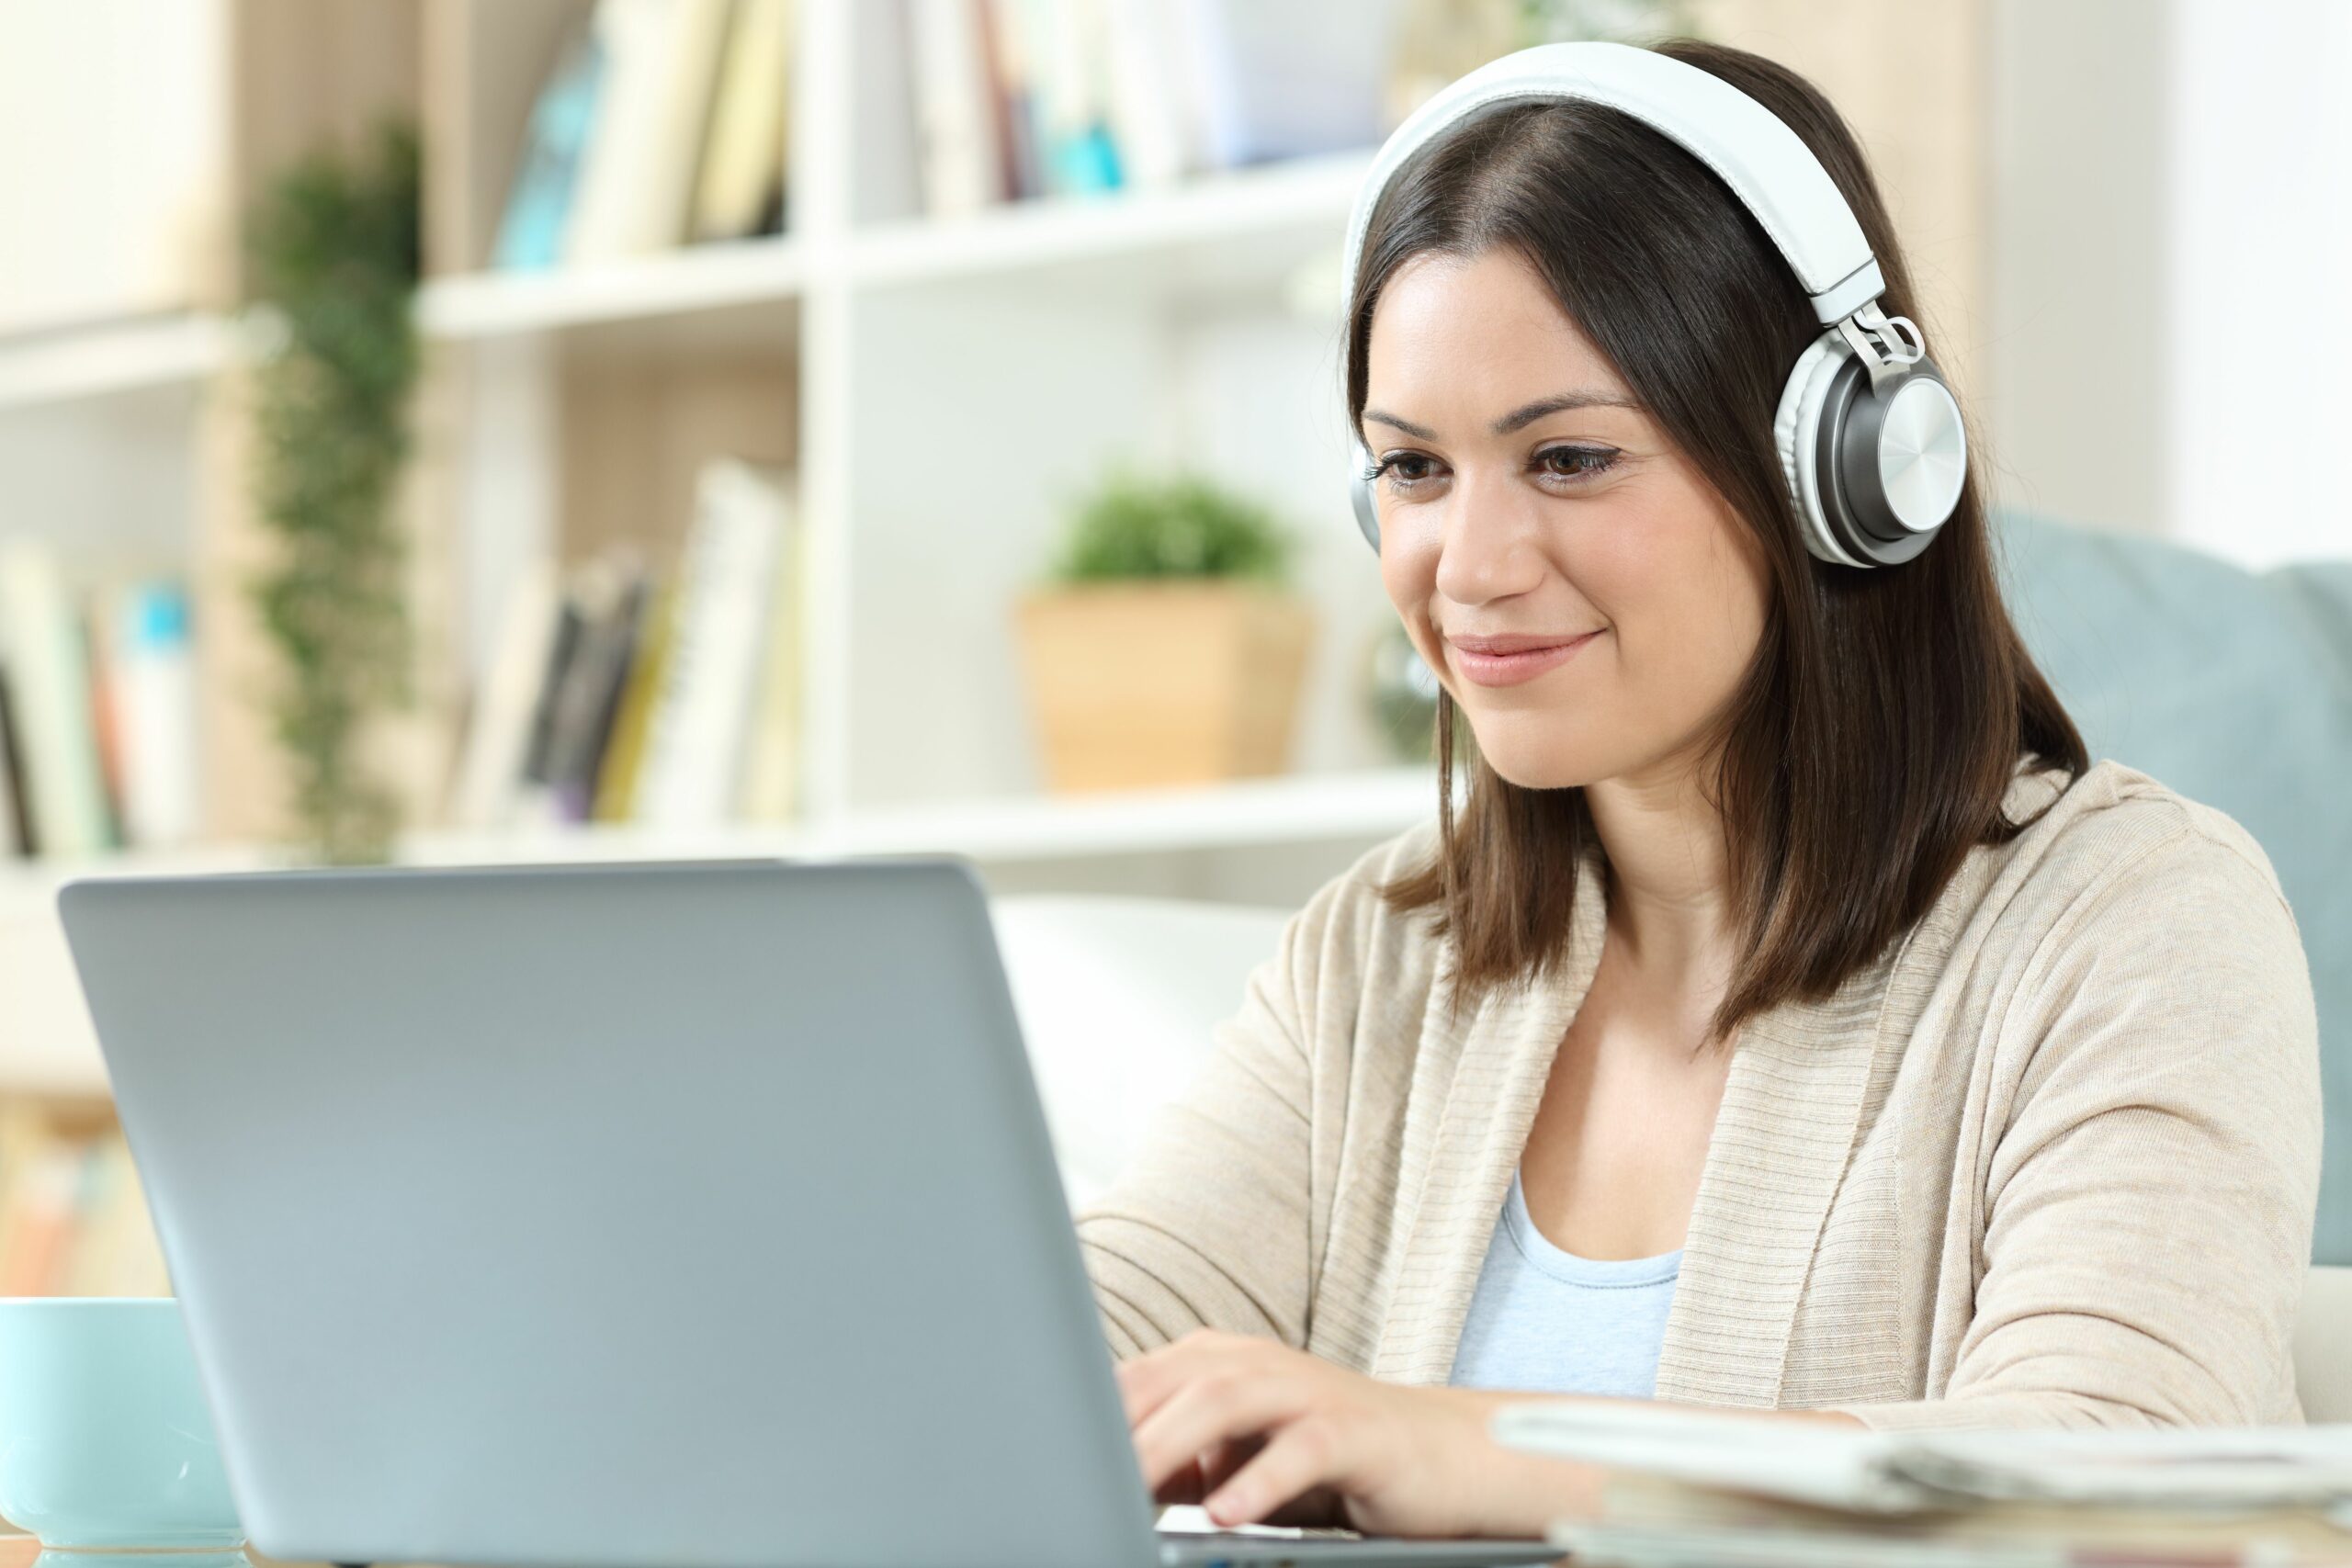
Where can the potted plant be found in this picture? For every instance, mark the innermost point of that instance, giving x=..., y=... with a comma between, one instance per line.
x=1165, y=646
x=335, y=252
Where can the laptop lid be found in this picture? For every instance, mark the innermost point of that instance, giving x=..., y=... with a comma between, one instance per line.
x=626, y=1215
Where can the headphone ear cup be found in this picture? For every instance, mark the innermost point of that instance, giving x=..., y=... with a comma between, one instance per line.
x=1900, y=459
x=1796, y=433
x=1360, y=495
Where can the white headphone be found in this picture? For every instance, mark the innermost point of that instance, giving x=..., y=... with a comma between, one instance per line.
x=1869, y=436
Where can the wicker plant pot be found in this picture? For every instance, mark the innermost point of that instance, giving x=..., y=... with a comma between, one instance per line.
x=1187, y=680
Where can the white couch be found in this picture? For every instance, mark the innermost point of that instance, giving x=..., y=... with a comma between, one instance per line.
x=1117, y=995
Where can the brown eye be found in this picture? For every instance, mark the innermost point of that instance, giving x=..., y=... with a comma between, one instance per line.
x=1394, y=467
x=1584, y=462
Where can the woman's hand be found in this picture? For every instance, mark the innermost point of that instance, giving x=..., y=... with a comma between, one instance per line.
x=1261, y=1433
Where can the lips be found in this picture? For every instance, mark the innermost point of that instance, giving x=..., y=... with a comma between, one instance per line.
x=1515, y=643
x=1509, y=669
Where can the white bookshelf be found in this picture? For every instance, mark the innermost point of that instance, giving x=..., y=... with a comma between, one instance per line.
x=108, y=358
x=706, y=277
x=940, y=388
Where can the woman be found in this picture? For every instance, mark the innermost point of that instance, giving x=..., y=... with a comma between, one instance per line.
x=1789, y=969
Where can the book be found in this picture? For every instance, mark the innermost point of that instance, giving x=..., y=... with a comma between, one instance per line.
x=1147, y=117
x=1264, y=82
x=772, y=768
x=624, y=760
x=534, y=797
x=745, y=158
x=153, y=674
x=1681, y=1480
x=547, y=176
x=956, y=135
x=91, y=622
x=695, y=742
x=1073, y=112
x=1200, y=58
x=1000, y=110
x=41, y=643
x=44, y=1214
x=26, y=1135
x=637, y=176
x=1010, y=58
x=608, y=604
x=2149, y=1534
x=508, y=710
x=115, y=1250
x=73, y=1219
x=15, y=836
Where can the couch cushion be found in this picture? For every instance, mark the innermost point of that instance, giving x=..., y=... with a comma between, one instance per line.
x=1119, y=996
x=2234, y=688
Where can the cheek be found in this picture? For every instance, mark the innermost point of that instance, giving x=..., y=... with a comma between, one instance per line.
x=1685, y=600
x=1409, y=573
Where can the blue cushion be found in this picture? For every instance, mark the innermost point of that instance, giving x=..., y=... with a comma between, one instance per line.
x=2233, y=688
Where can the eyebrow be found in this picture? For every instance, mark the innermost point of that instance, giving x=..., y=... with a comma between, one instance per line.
x=1518, y=419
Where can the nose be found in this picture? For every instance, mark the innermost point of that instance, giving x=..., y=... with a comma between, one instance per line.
x=1489, y=544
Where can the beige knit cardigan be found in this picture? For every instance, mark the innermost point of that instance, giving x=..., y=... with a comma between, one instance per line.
x=2052, y=1159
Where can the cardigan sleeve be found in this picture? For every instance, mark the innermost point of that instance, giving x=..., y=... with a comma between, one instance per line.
x=1207, y=1225
x=2148, y=1205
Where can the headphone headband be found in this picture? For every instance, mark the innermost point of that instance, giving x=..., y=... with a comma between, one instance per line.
x=1871, y=440
x=1768, y=166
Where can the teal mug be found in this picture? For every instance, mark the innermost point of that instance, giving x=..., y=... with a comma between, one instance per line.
x=105, y=1438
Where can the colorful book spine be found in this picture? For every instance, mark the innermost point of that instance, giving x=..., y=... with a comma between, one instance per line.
x=155, y=700
x=531, y=232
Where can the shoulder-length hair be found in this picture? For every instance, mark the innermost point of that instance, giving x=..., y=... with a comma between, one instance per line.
x=1872, y=740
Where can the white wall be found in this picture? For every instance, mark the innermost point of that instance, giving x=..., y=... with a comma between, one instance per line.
x=2072, y=398
x=2259, y=294
x=2170, y=283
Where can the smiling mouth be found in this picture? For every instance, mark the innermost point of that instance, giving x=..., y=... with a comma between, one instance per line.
x=1509, y=669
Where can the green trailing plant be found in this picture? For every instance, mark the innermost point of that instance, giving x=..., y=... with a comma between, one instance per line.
x=1137, y=526
x=334, y=253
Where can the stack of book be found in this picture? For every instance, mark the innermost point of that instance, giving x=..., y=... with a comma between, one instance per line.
x=72, y=1219
x=664, y=122
x=1015, y=100
x=97, y=711
x=617, y=696
x=1692, y=1486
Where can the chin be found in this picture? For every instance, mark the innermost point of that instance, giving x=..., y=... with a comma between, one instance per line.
x=1543, y=776
x=1533, y=751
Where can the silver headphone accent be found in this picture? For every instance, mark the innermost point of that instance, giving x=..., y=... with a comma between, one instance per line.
x=1871, y=440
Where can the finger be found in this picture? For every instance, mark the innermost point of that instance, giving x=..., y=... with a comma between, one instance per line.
x=1150, y=1379
x=1222, y=1459
x=1146, y=1381
x=1190, y=1483
x=1317, y=1508
x=1220, y=1406
x=1303, y=1454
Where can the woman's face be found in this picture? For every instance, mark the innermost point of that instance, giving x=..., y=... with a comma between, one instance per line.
x=1523, y=496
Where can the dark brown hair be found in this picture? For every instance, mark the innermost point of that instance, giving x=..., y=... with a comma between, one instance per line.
x=1870, y=744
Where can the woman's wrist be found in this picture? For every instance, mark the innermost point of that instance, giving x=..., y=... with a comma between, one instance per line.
x=1505, y=1491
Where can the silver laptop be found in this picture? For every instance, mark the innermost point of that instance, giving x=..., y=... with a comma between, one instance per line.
x=699, y=1215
